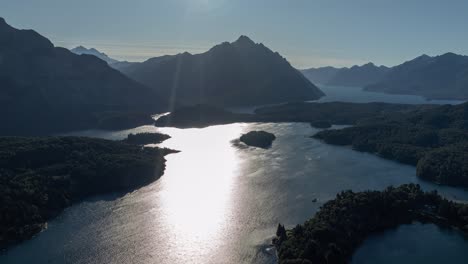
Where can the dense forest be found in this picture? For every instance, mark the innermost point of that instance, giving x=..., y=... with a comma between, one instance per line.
x=39, y=177
x=146, y=138
x=317, y=114
x=201, y=116
x=342, y=224
x=435, y=140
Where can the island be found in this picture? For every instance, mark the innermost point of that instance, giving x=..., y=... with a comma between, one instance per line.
x=260, y=139
x=341, y=225
x=146, y=138
x=39, y=177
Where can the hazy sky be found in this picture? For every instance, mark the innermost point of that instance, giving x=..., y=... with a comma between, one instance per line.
x=308, y=33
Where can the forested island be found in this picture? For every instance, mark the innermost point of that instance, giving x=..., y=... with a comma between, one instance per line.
x=435, y=140
x=146, y=138
x=39, y=177
x=342, y=224
x=260, y=139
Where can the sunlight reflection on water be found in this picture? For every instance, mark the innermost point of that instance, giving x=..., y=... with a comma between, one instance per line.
x=217, y=202
x=196, y=192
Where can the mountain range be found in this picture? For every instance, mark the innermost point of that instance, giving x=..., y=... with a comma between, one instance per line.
x=229, y=74
x=355, y=76
x=439, y=77
x=48, y=88
x=92, y=51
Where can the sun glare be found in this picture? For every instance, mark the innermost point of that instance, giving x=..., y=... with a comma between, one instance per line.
x=196, y=196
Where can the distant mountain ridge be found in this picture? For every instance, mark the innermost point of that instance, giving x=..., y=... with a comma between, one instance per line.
x=92, y=51
x=47, y=88
x=358, y=76
x=440, y=77
x=229, y=74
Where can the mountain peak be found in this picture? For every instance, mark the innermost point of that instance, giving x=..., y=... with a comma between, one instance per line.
x=244, y=40
x=79, y=48
x=92, y=51
x=424, y=57
x=449, y=54
x=4, y=24
x=369, y=64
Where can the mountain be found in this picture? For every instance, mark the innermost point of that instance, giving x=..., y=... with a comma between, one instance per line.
x=45, y=88
x=229, y=74
x=92, y=51
x=320, y=75
x=439, y=77
x=358, y=76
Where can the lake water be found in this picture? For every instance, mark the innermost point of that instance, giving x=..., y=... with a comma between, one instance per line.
x=358, y=95
x=219, y=201
x=416, y=243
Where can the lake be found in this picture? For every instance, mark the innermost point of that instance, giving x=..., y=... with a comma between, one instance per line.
x=220, y=202
x=358, y=95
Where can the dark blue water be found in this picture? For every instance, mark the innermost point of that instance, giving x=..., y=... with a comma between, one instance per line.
x=415, y=243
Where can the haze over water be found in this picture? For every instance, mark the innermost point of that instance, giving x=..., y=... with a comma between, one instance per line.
x=220, y=202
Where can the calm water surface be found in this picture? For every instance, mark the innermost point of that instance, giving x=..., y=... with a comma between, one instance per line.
x=416, y=243
x=358, y=95
x=218, y=201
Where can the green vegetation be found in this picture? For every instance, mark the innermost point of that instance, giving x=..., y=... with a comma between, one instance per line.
x=342, y=224
x=146, y=138
x=260, y=139
x=435, y=140
x=39, y=177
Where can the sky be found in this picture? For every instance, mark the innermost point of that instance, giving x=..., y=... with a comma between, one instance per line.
x=309, y=33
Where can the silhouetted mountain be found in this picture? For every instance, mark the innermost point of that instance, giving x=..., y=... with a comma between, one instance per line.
x=359, y=75
x=229, y=74
x=320, y=75
x=440, y=77
x=92, y=51
x=355, y=76
x=46, y=88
